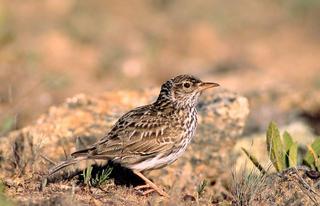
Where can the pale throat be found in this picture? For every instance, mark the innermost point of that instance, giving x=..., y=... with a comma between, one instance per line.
x=187, y=101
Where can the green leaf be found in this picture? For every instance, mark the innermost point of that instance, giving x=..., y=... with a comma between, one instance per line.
x=201, y=187
x=105, y=175
x=316, y=164
x=287, y=140
x=102, y=177
x=293, y=155
x=87, y=174
x=275, y=147
x=254, y=161
x=309, y=159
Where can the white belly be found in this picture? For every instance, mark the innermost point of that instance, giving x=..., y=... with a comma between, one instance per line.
x=158, y=161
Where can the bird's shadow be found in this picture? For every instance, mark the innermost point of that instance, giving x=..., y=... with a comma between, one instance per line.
x=121, y=175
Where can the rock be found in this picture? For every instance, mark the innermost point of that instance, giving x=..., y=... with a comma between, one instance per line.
x=293, y=186
x=222, y=116
x=283, y=105
x=311, y=110
x=189, y=198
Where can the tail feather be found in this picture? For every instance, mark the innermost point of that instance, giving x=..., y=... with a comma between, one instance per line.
x=65, y=164
x=82, y=152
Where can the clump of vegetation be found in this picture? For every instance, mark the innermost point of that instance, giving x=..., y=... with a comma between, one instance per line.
x=201, y=187
x=245, y=186
x=283, y=151
x=98, y=179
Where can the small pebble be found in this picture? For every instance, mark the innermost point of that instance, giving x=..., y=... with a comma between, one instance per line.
x=313, y=174
x=189, y=198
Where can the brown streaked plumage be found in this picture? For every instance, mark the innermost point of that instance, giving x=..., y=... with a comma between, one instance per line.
x=151, y=136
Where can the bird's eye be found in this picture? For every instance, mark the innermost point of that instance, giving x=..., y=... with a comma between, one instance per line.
x=186, y=85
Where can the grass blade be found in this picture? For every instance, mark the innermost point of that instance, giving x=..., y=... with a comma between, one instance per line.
x=255, y=161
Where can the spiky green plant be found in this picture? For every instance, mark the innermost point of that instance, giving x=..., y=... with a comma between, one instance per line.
x=201, y=187
x=102, y=177
x=98, y=179
x=254, y=161
x=245, y=185
x=282, y=150
x=87, y=174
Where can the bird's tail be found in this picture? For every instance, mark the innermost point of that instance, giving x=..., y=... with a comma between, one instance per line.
x=66, y=163
x=82, y=152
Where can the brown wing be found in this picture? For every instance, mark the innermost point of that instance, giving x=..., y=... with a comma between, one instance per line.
x=139, y=133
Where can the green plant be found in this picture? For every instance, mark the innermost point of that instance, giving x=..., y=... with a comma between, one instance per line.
x=283, y=151
x=245, y=185
x=98, y=179
x=87, y=174
x=201, y=187
x=102, y=177
x=279, y=150
x=311, y=158
x=254, y=161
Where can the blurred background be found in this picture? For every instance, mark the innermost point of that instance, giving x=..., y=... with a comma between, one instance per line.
x=54, y=49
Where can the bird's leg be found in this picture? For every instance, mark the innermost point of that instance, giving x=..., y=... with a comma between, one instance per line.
x=140, y=187
x=147, y=187
x=148, y=191
x=150, y=184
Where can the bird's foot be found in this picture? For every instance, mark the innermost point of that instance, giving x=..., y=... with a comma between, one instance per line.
x=147, y=189
x=141, y=187
x=150, y=186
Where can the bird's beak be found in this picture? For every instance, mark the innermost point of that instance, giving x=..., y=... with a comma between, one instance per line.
x=207, y=85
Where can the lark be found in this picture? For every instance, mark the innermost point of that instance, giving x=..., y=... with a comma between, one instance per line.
x=151, y=136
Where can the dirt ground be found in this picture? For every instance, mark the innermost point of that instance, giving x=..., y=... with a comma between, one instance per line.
x=52, y=49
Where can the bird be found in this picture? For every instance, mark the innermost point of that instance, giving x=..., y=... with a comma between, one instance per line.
x=152, y=136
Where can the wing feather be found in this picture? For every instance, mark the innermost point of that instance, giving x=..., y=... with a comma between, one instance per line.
x=139, y=132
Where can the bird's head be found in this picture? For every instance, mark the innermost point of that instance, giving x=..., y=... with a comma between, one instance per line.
x=184, y=89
